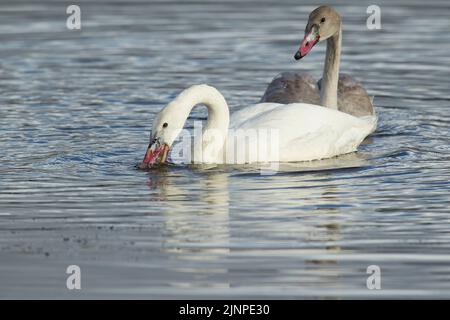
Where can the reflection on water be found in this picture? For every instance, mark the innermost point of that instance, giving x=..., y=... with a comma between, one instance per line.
x=76, y=108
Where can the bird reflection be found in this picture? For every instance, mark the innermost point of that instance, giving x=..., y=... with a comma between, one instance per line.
x=233, y=228
x=196, y=227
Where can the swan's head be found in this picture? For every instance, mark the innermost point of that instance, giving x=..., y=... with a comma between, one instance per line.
x=323, y=23
x=169, y=122
x=167, y=125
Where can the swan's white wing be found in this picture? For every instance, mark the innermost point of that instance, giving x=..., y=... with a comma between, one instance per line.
x=308, y=132
x=241, y=116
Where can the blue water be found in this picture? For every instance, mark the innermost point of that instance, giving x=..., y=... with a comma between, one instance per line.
x=76, y=108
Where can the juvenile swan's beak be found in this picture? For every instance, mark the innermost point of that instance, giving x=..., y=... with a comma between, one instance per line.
x=309, y=41
x=156, y=153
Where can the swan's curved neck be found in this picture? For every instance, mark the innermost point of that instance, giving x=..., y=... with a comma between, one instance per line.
x=218, y=114
x=330, y=77
x=216, y=129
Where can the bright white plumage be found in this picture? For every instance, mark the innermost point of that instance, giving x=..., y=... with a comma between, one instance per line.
x=296, y=132
x=306, y=131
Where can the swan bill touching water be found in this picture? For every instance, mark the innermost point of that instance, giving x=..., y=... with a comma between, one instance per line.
x=304, y=131
x=334, y=90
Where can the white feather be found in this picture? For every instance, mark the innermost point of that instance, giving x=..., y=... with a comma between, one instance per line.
x=304, y=131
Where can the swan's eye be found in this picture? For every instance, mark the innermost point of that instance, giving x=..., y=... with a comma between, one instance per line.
x=165, y=125
x=322, y=20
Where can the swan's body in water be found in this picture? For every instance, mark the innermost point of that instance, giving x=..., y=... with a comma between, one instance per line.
x=295, y=132
x=334, y=90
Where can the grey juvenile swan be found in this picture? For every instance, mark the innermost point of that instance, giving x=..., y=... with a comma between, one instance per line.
x=334, y=90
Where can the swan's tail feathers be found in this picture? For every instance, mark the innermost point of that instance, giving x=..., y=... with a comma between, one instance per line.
x=372, y=120
x=371, y=99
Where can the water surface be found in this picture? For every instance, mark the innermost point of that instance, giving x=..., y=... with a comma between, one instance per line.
x=76, y=108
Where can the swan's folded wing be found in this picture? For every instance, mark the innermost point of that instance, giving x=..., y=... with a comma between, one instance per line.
x=308, y=132
x=239, y=117
x=292, y=87
x=352, y=97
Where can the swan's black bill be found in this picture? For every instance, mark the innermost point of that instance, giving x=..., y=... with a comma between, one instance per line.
x=298, y=55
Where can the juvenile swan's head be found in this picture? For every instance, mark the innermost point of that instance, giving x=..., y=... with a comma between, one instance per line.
x=323, y=23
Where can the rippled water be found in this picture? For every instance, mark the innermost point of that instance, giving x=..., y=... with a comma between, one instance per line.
x=75, y=112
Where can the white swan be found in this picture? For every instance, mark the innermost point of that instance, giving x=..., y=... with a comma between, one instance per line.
x=302, y=131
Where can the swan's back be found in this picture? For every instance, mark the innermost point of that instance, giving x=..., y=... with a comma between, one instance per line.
x=295, y=87
x=306, y=131
x=292, y=87
x=352, y=97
